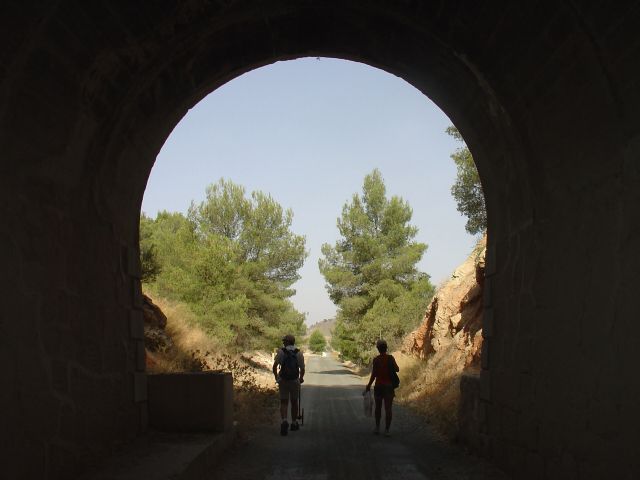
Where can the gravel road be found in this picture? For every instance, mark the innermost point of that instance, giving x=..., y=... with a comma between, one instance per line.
x=336, y=441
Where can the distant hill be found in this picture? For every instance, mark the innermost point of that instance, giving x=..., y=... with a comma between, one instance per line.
x=325, y=326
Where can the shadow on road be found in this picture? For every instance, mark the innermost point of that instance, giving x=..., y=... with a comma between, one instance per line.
x=335, y=372
x=336, y=441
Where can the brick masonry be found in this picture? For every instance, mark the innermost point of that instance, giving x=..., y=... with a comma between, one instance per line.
x=545, y=93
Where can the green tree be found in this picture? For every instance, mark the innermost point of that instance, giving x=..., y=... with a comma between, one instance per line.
x=467, y=190
x=233, y=260
x=149, y=262
x=317, y=342
x=371, y=271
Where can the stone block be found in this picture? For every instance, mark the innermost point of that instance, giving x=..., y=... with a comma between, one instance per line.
x=508, y=424
x=60, y=376
x=131, y=261
x=191, y=402
x=469, y=411
x=139, y=387
x=141, y=356
x=487, y=299
x=524, y=355
x=484, y=356
x=483, y=417
x=526, y=391
x=534, y=467
x=62, y=461
x=485, y=385
x=136, y=324
x=487, y=323
x=490, y=262
x=143, y=409
x=527, y=434
x=137, y=293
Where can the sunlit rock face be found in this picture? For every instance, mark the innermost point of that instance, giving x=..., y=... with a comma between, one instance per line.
x=453, y=319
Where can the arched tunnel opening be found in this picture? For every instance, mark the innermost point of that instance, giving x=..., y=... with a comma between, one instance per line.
x=544, y=95
x=297, y=131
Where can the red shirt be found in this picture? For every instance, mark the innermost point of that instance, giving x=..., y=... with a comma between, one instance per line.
x=381, y=370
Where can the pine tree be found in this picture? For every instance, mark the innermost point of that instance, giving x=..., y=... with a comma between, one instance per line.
x=371, y=271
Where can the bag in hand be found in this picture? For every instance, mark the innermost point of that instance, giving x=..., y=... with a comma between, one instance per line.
x=367, y=403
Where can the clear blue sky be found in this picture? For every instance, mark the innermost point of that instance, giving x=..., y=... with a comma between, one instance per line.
x=307, y=132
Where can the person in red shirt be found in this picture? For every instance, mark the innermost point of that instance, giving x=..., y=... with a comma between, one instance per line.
x=384, y=390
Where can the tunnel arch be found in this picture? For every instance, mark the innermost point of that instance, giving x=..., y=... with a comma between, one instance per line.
x=464, y=95
x=544, y=95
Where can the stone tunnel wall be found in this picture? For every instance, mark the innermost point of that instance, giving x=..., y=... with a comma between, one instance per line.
x=545, y=95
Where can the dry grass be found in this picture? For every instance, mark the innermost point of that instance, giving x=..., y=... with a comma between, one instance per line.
x=188, y=340
x=431, y=388
x=255, y=400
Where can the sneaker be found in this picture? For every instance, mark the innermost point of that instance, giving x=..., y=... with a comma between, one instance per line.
x=284, y=428
x=376, y=431
x=386, y=433
x=295, y=426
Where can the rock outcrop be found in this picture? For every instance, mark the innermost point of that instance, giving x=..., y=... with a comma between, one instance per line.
x=453, y=320
x=155, y=322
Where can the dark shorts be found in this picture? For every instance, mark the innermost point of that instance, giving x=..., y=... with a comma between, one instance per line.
x=289, y=389
x=384, y=391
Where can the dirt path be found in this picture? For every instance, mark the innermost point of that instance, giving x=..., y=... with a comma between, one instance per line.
x=336, y=441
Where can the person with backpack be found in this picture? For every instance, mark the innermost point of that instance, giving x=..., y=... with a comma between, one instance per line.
x=384, y=372
x=289, y=377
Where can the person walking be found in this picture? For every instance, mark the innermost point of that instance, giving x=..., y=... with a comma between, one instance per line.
x=383, y=372
x=288, y=370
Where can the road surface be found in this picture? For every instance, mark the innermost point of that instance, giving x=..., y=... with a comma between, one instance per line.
x=337, y=441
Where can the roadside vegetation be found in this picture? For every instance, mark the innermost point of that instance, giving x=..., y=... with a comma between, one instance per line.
x=371, y=272
x=317, y=342
x=432, y=390
x=231, y=260
x=191, y=349
x=467, y=189
x=222, y=275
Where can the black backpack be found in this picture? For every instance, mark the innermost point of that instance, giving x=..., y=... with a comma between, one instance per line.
x=289, y=368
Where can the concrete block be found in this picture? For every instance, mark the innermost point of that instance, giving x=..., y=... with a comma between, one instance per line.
x=191, y=402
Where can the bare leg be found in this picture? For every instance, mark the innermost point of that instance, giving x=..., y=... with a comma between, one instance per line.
x=388, y=402
x=294, y=410
x=283, y=409
x=378, y=411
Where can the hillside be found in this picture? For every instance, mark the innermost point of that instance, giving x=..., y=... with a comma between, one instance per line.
x=325, y=326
